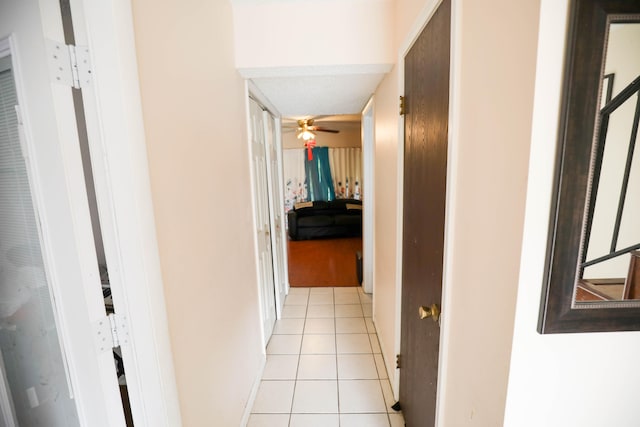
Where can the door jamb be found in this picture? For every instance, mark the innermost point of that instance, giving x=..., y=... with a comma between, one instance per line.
x=283, y=228
x=452, y=169
x=368, y=178
x=116, y=136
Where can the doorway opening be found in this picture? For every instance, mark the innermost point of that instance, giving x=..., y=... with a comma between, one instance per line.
x=323, y=188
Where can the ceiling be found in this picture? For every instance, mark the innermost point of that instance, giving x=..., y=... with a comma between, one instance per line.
x=319, y=95
x=312, y=91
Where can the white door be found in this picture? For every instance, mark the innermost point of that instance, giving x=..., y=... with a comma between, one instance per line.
x=262, y=217
x=51, y=304
x=276, y=186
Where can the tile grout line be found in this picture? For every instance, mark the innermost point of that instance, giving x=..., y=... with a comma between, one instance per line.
x=386, y=412
x=295, y=379
x=335, y=340
x=361, y=303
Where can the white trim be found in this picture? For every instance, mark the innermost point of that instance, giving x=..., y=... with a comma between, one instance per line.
x=450, y=210
x=368, y=179
x=253, y=393
x=255, y=92
x=283, y=228
x=416, y=29
x=116, y=137
x=395, y=379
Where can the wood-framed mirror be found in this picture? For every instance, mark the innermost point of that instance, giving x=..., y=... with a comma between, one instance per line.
x=592, y=272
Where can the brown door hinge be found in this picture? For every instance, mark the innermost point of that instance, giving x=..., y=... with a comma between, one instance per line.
x=398, y=361
x=401, y=105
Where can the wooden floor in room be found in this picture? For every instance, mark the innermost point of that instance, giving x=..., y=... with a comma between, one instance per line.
x=324, y=262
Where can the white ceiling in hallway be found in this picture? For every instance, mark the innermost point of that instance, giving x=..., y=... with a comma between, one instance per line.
x=313, y=91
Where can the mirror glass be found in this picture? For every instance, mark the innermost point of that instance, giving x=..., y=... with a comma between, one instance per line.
x=610, y=252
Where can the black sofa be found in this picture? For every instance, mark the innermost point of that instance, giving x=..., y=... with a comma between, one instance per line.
x=337, y=218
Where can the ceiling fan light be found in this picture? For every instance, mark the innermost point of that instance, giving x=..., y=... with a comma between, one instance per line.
x=306, y=135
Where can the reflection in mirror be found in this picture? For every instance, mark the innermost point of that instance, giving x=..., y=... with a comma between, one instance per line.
x=610, y=260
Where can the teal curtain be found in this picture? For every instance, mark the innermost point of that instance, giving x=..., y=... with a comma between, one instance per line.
x=318, y=174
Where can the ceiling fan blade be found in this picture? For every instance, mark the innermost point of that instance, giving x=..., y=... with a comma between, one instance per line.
x=319, y=129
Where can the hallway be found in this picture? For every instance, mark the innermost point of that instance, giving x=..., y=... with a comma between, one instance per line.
x=324, y=365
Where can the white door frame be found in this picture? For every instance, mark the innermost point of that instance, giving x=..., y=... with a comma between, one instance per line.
x=116, y=138
x=283, y=228
x=368, y=190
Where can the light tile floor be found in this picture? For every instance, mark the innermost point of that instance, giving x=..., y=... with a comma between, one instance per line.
x=324, y=365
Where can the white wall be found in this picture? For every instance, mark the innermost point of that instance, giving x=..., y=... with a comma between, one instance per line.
x=385, y=226
x=194, y=112
x=494, y=53
x=312, y=33
x=587, y=380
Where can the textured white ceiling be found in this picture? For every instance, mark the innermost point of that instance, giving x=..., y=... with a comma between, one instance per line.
x=313, y=91
x=319, y=95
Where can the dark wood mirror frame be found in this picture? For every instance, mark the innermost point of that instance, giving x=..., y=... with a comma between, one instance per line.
x=585, y=54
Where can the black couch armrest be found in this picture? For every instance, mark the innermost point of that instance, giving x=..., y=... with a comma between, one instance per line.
x=292, y=222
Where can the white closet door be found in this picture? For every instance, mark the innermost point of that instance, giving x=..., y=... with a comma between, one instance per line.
x=276, y=209
x=262, y=218
x=55, y=372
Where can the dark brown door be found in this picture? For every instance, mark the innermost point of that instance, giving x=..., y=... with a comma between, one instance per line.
x=425, y=174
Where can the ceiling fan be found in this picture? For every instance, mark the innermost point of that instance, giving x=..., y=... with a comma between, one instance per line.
x=306, y=129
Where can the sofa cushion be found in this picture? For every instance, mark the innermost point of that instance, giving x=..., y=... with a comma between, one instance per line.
x=347, y=219
x=301, y=205
x=310, y=208
x=342, y=203
x=315, y=221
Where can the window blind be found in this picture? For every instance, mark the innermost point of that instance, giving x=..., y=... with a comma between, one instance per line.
x=29, y=344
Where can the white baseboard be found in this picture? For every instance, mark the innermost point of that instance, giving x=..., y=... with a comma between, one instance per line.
x=253, y=394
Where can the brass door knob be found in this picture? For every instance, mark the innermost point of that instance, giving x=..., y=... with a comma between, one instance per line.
x=432, y=312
